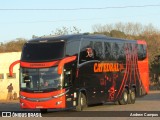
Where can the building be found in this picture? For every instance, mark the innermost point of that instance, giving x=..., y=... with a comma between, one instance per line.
x=5, y=60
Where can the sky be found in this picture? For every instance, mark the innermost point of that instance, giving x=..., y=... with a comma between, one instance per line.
x=29, y=20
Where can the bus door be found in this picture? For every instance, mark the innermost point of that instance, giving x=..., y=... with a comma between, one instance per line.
x=101, y=87
x=98, y=87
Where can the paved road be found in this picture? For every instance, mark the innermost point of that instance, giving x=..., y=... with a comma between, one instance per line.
x=149, y=103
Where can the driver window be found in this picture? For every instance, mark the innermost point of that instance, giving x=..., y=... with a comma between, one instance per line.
x=86, y=51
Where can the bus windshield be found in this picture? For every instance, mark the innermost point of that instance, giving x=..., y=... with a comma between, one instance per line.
x=43, y=51
x=44, y=79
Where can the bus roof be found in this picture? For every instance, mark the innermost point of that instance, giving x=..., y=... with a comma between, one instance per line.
x=76, y=36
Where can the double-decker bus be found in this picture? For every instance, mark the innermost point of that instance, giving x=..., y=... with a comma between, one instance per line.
x=74, y=71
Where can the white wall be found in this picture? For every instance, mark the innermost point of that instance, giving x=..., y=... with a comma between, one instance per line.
x=5, y=60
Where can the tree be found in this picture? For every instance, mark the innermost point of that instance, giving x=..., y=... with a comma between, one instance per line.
x=13, y=46
x=65, y=31
x=116, y=33
x=17, y=44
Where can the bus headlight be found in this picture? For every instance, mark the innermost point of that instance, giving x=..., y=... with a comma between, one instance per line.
x=22, y=104
x=59, y=102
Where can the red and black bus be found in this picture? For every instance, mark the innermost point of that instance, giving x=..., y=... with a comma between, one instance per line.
x=74, y=71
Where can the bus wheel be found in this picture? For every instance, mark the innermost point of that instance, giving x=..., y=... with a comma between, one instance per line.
x=124, y=99
x=82, y=102
x=43, y=110
x=132, y=96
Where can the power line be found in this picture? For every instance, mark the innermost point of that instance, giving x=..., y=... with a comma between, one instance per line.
x=72, y=9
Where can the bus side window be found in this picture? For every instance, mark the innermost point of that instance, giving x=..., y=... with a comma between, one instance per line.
x=86, y=51
x=98, y=49
x=142, y=52
x=115, y=51
x=72, y=48
x=121, y=52
x=107, y=50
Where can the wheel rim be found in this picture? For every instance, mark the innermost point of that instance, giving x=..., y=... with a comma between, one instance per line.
x=82, y=102
x=125, y=97
x=132, y=95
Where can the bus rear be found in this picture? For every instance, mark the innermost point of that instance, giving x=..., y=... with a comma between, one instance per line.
x=143, y=67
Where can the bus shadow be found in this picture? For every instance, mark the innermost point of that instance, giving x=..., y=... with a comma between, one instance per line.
x=152, y=96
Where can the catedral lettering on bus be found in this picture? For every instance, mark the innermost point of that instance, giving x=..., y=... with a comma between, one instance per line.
x=107, y=67
x=74, y=71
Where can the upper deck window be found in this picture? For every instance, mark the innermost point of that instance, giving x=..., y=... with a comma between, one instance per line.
x=43, y=51
x=72, y=47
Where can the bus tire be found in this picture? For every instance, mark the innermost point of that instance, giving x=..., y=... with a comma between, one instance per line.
x=116, y=102
x=132, y=96
x=82, y=102
x=124, y=99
